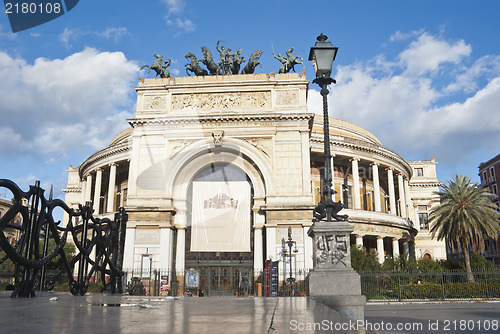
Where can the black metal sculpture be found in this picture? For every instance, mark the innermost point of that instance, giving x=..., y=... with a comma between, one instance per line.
x=37, y=227
x=159, y=66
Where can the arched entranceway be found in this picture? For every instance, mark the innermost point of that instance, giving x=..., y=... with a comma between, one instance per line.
x=219, y=234
x=201, y=163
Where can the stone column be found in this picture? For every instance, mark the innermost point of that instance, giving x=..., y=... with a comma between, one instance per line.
x=128, y=254
x=409, y=205
x=376, y=187
x=308, y=250
x=271, y=243
x=97, y=192
x=88, y=189
x=406, y=248
x=380, y=249
x=402, y=200
x=111, y=188
x=392, y=193
x=84, y=191
x=359, y=240
x=395, y=247
x=165, y=262
x=258, y=257
x=355, y=184
x=180, y=258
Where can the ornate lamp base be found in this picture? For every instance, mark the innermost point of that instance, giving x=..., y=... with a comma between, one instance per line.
x=333, y=282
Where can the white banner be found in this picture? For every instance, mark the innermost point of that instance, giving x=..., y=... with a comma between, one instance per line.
x=221, y=217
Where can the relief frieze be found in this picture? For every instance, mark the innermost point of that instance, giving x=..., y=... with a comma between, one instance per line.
x=155, y=102
x=287, y=97
x=221, y=101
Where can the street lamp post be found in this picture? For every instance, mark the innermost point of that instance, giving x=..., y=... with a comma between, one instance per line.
x=332, y=282
x=322, y=55
x=290, y=283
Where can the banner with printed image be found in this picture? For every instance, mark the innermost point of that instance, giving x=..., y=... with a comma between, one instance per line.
x=221, y=217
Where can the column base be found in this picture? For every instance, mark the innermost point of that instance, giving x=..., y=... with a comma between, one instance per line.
x=339, y=289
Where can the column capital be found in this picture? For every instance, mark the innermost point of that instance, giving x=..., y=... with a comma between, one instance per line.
x=389, y=169
x=374, y=163
x=113, y=164
x=354, y=159
x=98, y=169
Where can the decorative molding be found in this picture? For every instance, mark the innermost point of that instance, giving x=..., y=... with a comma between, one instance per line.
x=154, y=102
x=217, y=136
x=288, y=97
x=178, y=146
x=103, y=154
x=221, y=101
x=263, y=145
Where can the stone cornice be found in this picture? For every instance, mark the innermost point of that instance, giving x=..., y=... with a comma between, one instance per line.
x=72, y=190
x=359, y=145
x=103, y=154
x=425, y=184
x=212, y=119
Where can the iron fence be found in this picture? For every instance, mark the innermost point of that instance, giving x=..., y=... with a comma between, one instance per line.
x=212, y=281
x=430, y=285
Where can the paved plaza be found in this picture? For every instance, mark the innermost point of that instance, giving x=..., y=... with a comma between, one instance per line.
x=434, y=318
x=103, y=313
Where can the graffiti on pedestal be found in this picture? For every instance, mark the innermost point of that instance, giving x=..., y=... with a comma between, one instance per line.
x=332, y=249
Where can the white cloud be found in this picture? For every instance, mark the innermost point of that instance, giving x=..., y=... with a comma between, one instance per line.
x=428, y=53
x=174, y=18
x=58, y=105
x=114, y=33
x=184, y=25
x=69, y=34
x=422, y=103
x=174, y=6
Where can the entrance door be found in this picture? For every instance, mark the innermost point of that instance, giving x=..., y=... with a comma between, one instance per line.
x=225, y=280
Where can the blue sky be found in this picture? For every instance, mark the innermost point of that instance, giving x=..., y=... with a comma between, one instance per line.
x=423, y=76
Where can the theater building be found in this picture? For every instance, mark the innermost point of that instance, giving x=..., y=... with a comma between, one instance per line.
x=214, y=170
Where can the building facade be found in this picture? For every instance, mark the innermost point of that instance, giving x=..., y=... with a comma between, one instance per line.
x=214, y=171
x=489, y=174
x=11, y=233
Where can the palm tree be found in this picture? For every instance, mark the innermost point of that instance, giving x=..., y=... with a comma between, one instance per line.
x=466, y=213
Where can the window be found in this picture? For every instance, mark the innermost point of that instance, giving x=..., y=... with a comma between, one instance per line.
x=492, y=171
x=424, y=220
x=485, y=178
x=494, y=190
x=423, y=217
x=419, y=172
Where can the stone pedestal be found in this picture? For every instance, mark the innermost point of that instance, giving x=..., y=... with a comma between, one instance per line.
x=333, y=282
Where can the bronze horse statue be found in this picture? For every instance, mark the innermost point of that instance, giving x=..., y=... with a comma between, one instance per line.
x=252, y=62
x=159, y=67
x=235, y=61
x=292, y=60
x=194, y=66
x=209, y=62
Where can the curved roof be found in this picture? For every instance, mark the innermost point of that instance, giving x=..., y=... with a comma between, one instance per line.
x=344, y=129
x=121, y=136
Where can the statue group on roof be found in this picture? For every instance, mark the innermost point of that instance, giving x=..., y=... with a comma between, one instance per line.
x=229, y=62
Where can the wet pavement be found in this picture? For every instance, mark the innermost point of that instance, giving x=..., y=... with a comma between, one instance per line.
x=103, y=313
